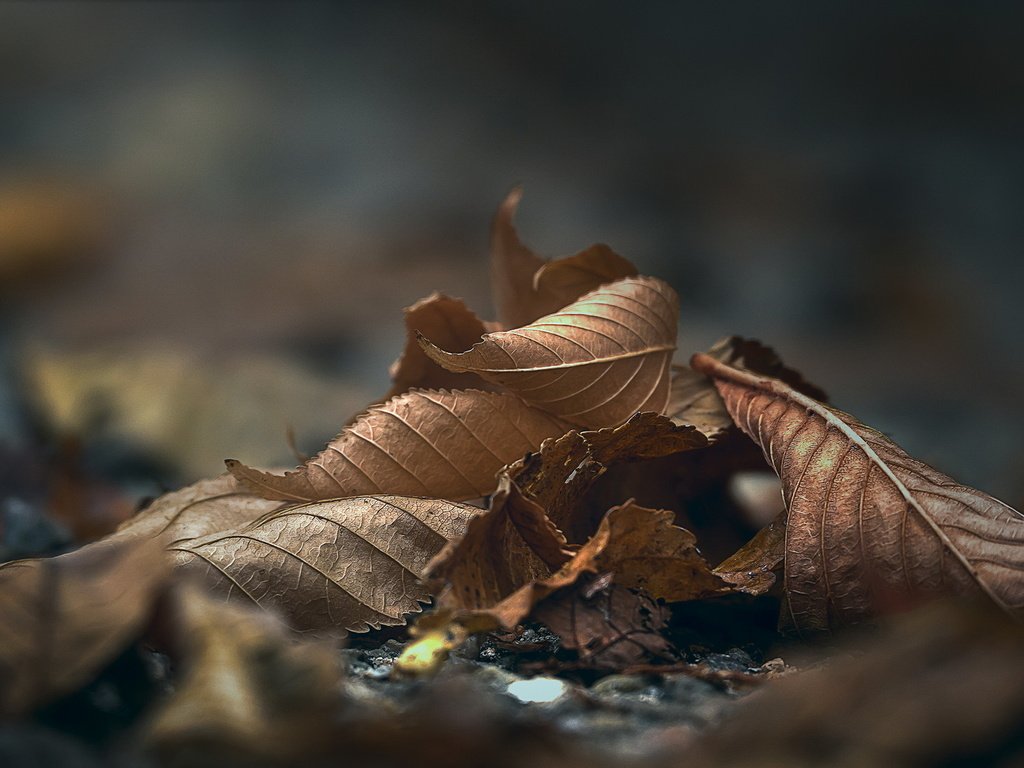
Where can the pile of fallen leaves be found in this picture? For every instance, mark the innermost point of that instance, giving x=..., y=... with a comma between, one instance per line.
x=502, y=480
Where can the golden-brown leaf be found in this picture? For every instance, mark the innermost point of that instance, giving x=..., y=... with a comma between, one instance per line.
x=454, y=326
x=694, y=400
x=62, y=618
x=428, y=443
x=216, y=504
x=753, y=567
x=526, y=287
x=595, y=362
x=869, y=526
x=348, y=564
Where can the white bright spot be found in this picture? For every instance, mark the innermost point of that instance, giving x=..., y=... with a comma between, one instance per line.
x=539, y=690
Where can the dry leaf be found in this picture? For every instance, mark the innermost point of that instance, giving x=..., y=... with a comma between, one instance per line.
x=217, y=504
x=694, y=400
x=594, y=363
x=63, y=618
x=526, y=287
x=754, y=567
x=454, y=326
x=609, y=626
x=250, y=690
x=349, y=564
x=639, y=547
x=519, y=539
x=440, y=444
x=868, y=525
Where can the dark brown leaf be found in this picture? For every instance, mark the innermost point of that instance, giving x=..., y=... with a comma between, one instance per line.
x=868, y=525
x=526, y=287
x=610, y=627
x=594, y=363
x=441, y=444
x=519, y=539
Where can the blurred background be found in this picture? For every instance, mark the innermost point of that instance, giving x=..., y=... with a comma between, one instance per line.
x=212, y=214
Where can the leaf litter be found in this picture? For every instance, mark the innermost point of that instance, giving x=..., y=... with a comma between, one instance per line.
x=551, y=414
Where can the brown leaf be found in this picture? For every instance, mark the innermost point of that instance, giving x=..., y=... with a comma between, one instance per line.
x=609, y=626
x=520, y=539
x=217, y=504
x=639, y=547
x=694, y=400
x=441, y=444
x=644, y=550
x=595, y=362
x=526, y=287
x=348, y=564
x=250, y=691
x=63, y=618
x=753, y=568
x=868, y=525
x=454, y=326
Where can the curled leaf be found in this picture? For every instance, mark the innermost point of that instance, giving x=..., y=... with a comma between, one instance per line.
x=454, y=326
x=526, y=287
x=868, y=527
x=694, y=400
x=348, y=564
x=595, y=362
x=520, y=538
x=62, y=618
x=441, y=444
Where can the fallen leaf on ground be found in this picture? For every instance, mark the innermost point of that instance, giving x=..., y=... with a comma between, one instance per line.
x=694, y=400
x=440, y=444
x=62, y=618
x=349, y=564
x=609, y=626
x=520, y=538
x=868, y=526
x=639, y=547
x=594, y=363
x=754, y=568
x=217, y=504
x=250, y=690
x=452, y=325
x=526, y=286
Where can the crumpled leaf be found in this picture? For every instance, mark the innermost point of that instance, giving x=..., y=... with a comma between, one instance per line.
x=349, y=564
x=250, y=691
x=755, y=566
x=216, y=504
x=868, y=526
x=452, y=325
x=62, y=618
x=609, y=626
x=441, y=444
x=640, y=547
x=694, y=400
x=526, y=287
x=594, y=363
x=520, y=538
